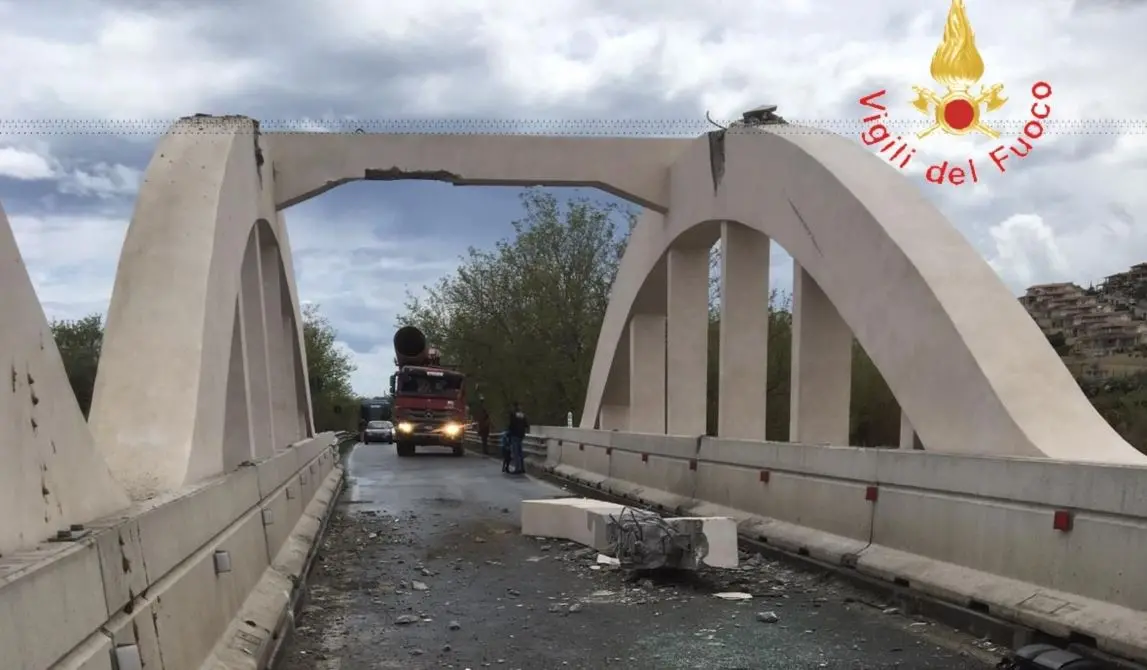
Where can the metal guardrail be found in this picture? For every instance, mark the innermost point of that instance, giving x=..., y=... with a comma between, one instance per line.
x=533, y=445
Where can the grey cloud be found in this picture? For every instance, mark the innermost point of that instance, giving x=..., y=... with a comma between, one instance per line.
x=903, y=23
x=1068, y=149
x=1079, y=6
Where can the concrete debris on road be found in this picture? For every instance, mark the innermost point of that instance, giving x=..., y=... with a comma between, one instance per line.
x=637, y=539
x=423, y=568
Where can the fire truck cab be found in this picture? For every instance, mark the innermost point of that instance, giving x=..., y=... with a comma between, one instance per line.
x=429, y=400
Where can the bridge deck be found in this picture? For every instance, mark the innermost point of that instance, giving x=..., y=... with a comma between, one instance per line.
x=452, y=525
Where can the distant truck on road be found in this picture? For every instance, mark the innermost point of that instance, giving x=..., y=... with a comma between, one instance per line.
x=374, y=409
x=429, y=399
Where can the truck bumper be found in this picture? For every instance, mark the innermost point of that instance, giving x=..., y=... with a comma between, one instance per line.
x=429, y=439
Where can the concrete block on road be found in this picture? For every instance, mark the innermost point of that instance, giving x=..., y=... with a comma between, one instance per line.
x=586, y=521
x=580, y=520
x=721, y=536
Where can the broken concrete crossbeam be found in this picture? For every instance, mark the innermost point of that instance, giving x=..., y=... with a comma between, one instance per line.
x=579, y=520
x=721, y=536
x=587, y=522
x=644, y=541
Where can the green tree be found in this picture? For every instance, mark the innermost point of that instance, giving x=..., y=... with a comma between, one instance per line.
x=1123, y=403
x=522, y=320
x=80, y=342
x=874, y=417
x=329, y=368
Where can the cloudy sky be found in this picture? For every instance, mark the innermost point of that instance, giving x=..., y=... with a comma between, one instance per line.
x=88, y=84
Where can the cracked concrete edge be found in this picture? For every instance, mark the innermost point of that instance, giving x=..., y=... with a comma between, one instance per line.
x=1119, y=631
x=263, y=624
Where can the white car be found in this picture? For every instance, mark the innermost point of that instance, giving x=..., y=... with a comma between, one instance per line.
x=378, y=431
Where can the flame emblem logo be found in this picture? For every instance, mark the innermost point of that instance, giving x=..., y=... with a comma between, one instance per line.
x=957, y=66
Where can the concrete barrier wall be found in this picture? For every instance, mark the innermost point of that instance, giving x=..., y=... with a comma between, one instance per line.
x=1053, y=545
x=176, y=582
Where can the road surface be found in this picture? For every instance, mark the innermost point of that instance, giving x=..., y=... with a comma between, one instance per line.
x=423, y=567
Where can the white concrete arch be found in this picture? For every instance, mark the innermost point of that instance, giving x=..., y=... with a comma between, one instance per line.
x=204, y=306
x=51, y=474
x=972, y=371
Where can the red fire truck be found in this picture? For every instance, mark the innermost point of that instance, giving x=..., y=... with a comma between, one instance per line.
x=429, y=399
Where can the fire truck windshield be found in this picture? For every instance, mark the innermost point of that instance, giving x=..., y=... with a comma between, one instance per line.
x=422, y=384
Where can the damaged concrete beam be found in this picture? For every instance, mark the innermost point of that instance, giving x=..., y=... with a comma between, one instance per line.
x=579, y=520
x=639, y=539
x=720, y=536
x=398, y=174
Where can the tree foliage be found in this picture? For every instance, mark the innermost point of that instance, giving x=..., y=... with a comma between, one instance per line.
x=329, y=369
x=80, y=342
x=1123, y=403
x=522, y=320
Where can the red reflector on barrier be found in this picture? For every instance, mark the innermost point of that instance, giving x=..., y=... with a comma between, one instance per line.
x=609, y=451
x=764, y=476
x=1062, y=521
x=692, y=463
x=581, y=447
x=871, y=493
x=645, y=458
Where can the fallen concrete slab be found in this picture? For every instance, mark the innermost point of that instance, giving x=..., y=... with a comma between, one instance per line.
x=720, y=536
x=637, y=538
x=580, y=520
x=642, y=540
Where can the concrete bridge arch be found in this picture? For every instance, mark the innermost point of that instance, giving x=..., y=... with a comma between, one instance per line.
x=872, y=257
x=203, y=365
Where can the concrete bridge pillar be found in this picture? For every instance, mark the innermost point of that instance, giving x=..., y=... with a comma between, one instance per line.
x=613, y=414
x=647, y=373
x=821, y=366
x=687, y=353
x=744, y=351
x=614, y=417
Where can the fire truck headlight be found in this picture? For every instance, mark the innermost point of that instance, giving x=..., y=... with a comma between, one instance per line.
x=452, y=429
x=405, y=427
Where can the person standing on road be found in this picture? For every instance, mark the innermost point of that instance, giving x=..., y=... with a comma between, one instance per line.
x=484, y=428
x=517, y=426
x=507, y=454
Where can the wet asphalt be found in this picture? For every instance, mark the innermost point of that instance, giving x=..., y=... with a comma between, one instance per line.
x=423, y=567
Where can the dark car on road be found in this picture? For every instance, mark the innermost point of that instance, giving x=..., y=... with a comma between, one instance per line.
x=378, y=431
